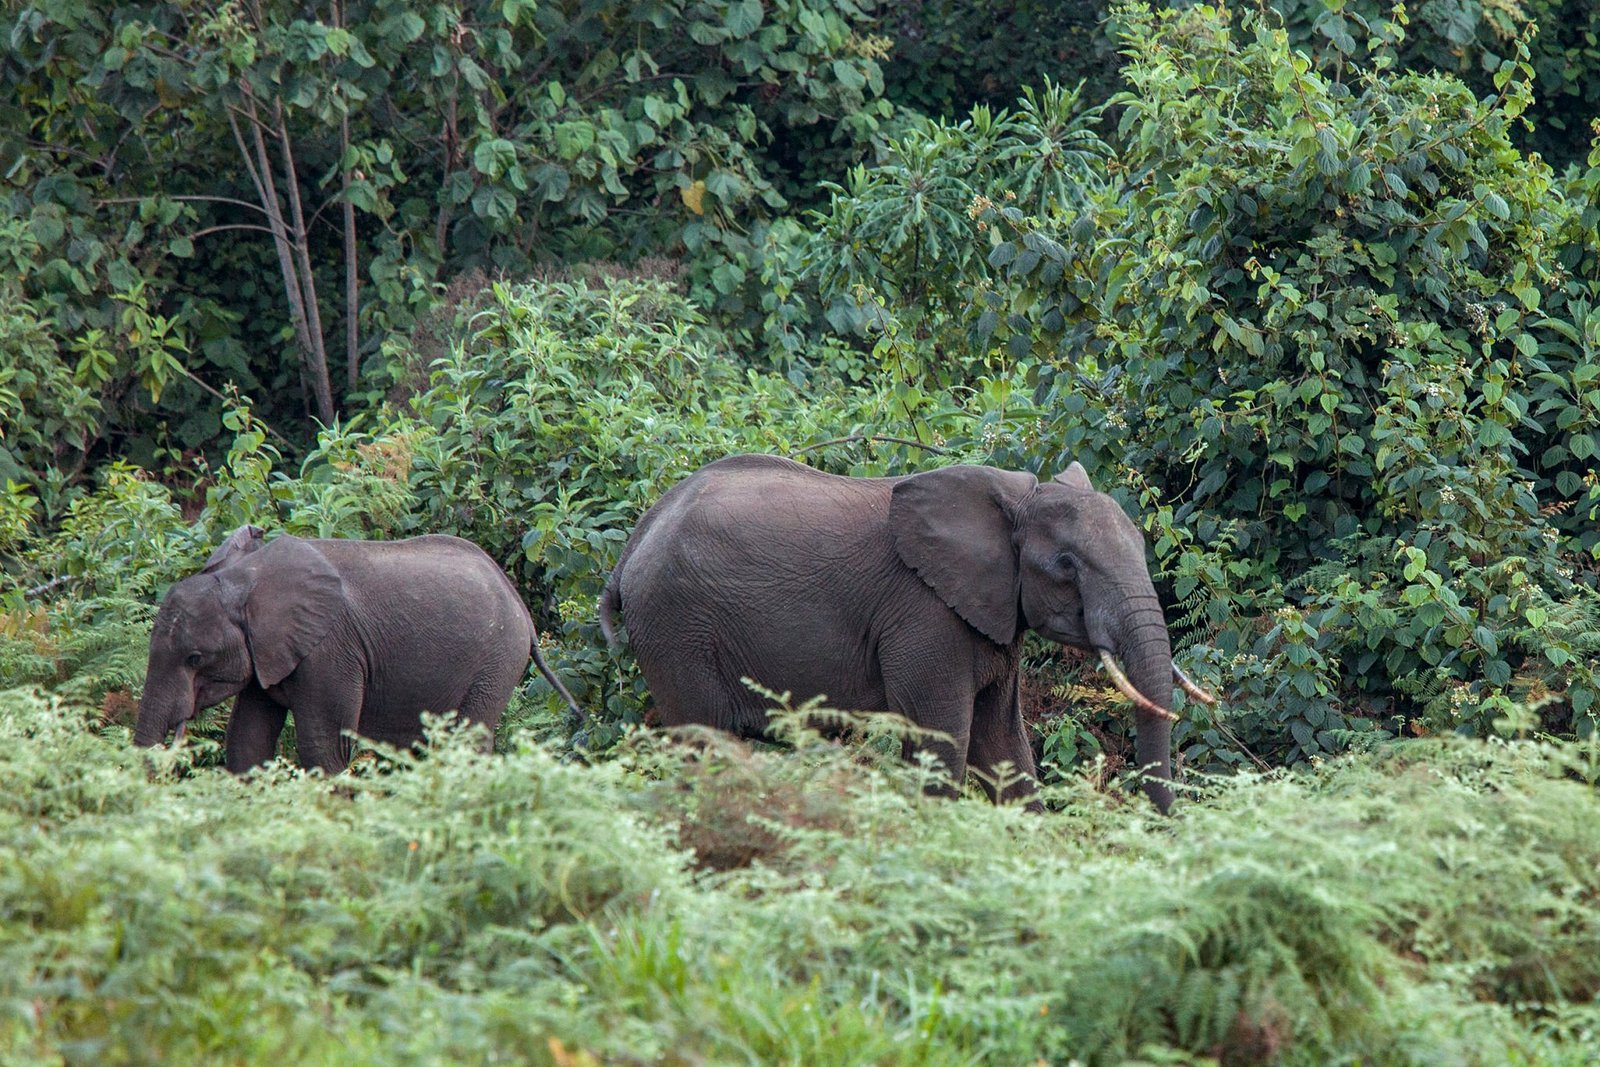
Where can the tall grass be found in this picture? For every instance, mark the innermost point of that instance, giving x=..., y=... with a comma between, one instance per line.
x=705, y=903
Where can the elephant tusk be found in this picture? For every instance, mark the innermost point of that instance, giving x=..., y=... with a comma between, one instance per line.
x=183, y=728
x=1121, y=681
x=1190, y=687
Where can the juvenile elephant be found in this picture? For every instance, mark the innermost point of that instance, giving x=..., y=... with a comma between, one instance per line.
x=350, y=635
x=909, y=594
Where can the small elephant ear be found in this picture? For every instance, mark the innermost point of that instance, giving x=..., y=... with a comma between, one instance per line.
x=1074, y=477
x=296, y=598
x=242, y=542
x=955, y=528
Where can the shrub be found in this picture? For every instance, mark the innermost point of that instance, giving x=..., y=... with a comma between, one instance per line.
x=560, y=411
x=180, y=252
x=1321, y=333
x=1431, y=901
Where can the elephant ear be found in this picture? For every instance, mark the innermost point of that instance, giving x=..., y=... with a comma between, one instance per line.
x=1074, y=477
x=293, y=602
x=242, y=542
x=955, y=528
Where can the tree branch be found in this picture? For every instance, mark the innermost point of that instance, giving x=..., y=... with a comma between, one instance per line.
x=40, y=590
x=352, y=327
x=209, y=230
x=211, y=199
x=222, y=397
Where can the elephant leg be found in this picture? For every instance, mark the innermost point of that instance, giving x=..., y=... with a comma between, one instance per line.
x=320, y=722
x=483, y=705
x=928, y=676
x=253, y=730
x=1000, y=736
x=687, y=687
x=946, y=713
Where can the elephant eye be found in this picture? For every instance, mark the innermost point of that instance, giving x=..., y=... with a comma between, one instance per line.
x=194, y=659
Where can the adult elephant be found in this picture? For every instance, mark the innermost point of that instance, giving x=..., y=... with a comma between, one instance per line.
x=909, y=594
x=351, y=635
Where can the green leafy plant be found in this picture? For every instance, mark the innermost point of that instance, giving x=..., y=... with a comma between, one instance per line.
x=1310, y=329
x=721, y=902
x=193, y=184
x=556, y=414
x=900, y=253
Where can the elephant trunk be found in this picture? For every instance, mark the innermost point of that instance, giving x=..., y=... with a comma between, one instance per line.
x=1146, y=652
x=1153, y=750
x=159, y=709
x=149, y=730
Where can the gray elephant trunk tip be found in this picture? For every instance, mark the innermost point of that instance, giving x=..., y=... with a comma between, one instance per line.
x=144, y=737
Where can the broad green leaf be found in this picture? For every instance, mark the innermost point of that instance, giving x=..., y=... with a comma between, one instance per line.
x=848, y=75
x=573, y=139
x=493, y=158
x=724, y=185
x=659, y=111
x=744, y=16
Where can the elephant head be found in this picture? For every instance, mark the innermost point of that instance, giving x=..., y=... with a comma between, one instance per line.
x=1007, y=552
x=251, y=615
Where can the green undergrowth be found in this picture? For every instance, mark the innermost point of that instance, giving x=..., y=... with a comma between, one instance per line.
x=703, y=903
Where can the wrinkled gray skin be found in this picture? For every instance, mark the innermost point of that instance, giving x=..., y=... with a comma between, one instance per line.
x=351, y=635
x=908, y=594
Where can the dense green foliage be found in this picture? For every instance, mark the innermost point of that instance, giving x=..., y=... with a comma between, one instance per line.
x=1469, y=39
x=1312, y=287
x=265, y=193
x=182, y=170
x=1381, y=416
x=950, y=55
x=1312, y=315
x=1330, y=331
x=722, y=906
x=553, y=416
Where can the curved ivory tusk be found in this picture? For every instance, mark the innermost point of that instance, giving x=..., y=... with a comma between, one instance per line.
x=1190, y=687
x=183, y=728
x=1122, y=683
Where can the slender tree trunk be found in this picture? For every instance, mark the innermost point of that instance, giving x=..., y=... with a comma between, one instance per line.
x=352, y=326
x=317, y=355
x=450, y=138
x=294, y=259
x=260, y=170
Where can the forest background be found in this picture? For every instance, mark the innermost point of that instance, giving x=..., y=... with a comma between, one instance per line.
x=1312, y=287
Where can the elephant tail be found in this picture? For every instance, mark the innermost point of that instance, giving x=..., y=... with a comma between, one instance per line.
x=610, y=603
x=555, y=683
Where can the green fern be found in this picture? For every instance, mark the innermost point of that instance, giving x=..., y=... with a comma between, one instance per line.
x=1423, y=903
